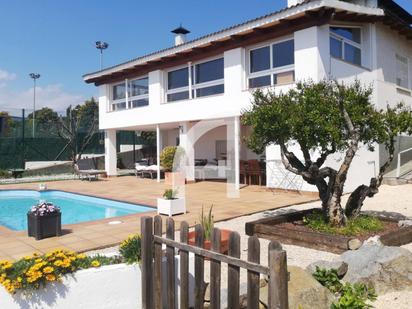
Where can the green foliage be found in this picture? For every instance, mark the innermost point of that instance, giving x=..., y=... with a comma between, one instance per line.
x=207, y=223
x=310, y=114
x=170, y=194
x=4, y=174
x=354, y=226
x=169, y=155
x=350, y=296
x=355, y=297
x=328, y=278
x=131, y=249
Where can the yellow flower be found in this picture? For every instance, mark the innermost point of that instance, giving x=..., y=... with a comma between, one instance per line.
x=81, y=256
x=95, y=263
x=38, y=260
x=58, y=263
x=48, y=270
x=50, y=277
x=66, y=263
x=19, y=279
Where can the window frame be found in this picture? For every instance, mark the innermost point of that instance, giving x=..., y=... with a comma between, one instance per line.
x=192, y=86
x=344, y=41
x=137, y=97
x=271, y=71
x=408, y=73
x=127, y=99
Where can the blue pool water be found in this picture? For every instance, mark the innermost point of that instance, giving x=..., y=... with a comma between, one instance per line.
x=75, y=208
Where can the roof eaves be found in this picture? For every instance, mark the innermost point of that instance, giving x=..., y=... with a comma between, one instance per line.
x=238, y=28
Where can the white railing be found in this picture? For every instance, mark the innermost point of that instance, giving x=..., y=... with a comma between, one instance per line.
x=398, y=168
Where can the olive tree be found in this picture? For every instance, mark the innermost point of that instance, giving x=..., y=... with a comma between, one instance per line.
x=325, y=118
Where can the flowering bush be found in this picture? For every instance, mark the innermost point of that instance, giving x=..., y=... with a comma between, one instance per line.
x=32, y=272
x=44, y=209
x=130, y=249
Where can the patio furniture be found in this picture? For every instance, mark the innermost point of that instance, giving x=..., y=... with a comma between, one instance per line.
x=150, y=171
x=88, y=174
x=243, y=171
x=254, y=170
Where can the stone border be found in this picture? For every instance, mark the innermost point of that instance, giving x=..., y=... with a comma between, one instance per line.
x=267, y=228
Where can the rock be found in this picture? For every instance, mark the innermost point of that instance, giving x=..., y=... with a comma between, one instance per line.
x=354, y=244
x=304, y=291
x=375, y=240
x=404, y=223
x=340, y=266
x=384, y=268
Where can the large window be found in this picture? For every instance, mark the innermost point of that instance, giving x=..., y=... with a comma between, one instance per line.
x=138, y=90
x=402, y=71
x=194, y=81
x=272, y=64
x=130, y=94
x=345, y=44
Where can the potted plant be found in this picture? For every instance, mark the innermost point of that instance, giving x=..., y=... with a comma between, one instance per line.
x=167, y=157
x=207, y=223
x=44, y=220
x=170, y=204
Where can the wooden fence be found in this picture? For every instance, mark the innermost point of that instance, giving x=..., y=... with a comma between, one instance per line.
x=153, y=285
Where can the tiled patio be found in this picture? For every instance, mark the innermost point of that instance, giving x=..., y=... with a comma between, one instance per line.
x=99, y=234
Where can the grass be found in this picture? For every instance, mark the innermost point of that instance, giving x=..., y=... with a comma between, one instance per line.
x=354, y=227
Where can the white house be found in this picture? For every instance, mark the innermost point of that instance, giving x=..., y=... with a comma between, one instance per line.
x=211, y=79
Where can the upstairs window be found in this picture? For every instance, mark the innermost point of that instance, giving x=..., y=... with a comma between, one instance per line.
x=345, y=44
x=138, y=90
x=402, y=71
x=119, y=97
x=272, y=64
x=130, y=94
x=194, y=81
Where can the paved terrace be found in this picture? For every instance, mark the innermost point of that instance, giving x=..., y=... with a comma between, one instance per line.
x=99, y=234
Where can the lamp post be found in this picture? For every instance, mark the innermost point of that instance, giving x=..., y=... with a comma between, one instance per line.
x=101, y=46
x=34, y=76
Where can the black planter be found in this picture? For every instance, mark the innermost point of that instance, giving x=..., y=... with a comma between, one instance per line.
x=41, y=227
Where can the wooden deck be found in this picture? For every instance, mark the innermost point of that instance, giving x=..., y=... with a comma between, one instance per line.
x=99, y=234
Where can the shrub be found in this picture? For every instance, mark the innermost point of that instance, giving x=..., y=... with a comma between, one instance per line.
x=170, y=194
x=354, y=226
x=207, y=223
x=4, y=174
x=32, y=272
x=168, y=155
x=350, y=296
x=130, y=249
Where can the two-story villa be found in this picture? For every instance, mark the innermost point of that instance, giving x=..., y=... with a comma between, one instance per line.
x=212, y=78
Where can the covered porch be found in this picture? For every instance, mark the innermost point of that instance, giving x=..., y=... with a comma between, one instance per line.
x=213, y=149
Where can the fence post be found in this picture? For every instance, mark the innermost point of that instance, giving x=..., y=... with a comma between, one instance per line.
x=170, y=257
x=158, y=264
x=233, y=273
x=147, y=262
x=278, y=277
x=184, y=267
x=215, y=268
x=253, y=278
x=199, y=269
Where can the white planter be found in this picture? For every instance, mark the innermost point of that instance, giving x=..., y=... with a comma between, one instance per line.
x=107, y=287
x=171, y=207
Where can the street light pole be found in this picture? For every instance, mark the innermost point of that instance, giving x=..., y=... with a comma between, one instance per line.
x=34, y=76
x=101, y=46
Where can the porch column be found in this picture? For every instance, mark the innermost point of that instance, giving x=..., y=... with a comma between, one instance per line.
x=237, y=152
x=158, y=145
x=110, y=157
x=186, y=142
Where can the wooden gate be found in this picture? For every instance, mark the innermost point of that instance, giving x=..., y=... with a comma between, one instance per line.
x=152, y=255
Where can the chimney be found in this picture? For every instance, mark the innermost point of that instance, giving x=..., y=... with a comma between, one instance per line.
x=180, y=37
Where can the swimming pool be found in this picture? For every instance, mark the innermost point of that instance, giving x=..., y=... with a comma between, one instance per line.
x=75, y=208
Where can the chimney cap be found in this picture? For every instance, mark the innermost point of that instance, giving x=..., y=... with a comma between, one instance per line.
x=180, y=30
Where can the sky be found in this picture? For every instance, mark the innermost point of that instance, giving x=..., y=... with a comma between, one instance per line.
x=56, y=38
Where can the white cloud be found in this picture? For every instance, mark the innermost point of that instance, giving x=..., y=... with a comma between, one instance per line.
x=52, y=96
x=6, y=76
